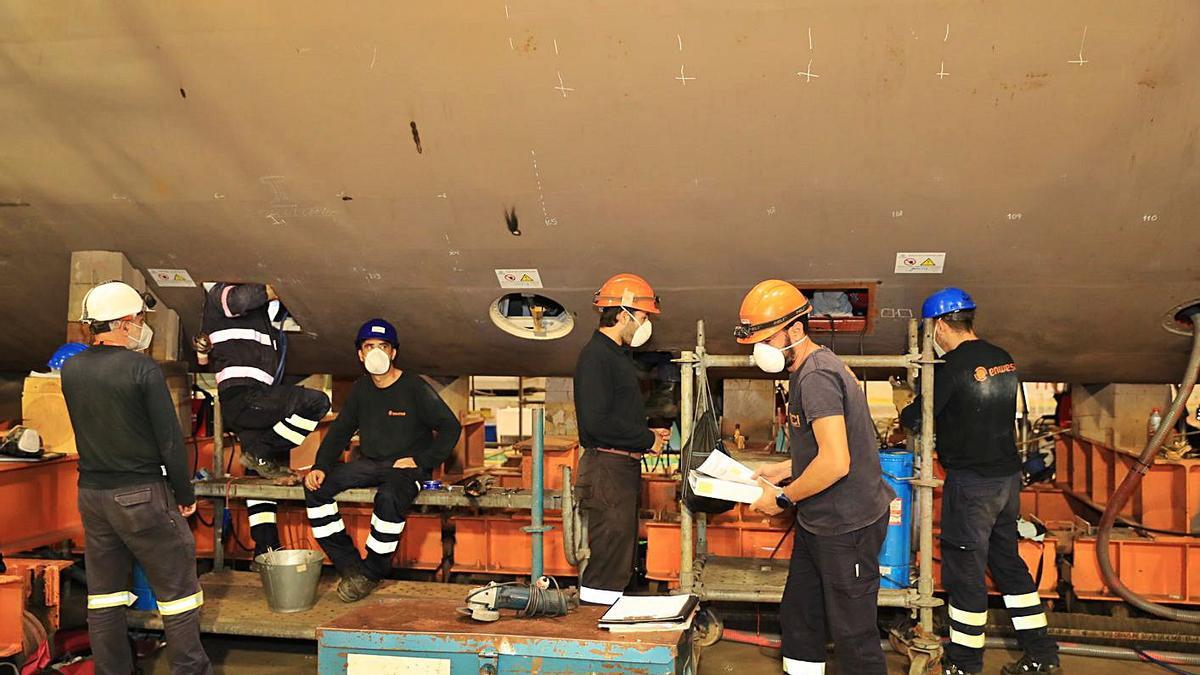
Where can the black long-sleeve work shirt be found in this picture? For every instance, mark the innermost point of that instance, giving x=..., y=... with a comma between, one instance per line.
x=126, y=428
x=975, y=408
x=406, y=419
x=609, y=407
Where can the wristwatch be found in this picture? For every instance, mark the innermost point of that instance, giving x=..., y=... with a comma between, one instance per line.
x=782, y=501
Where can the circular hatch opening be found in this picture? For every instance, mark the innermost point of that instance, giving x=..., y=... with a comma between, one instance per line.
x=1178, y=320
x=531, y=316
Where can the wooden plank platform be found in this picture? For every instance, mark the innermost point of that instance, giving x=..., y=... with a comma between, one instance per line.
x=234, y=604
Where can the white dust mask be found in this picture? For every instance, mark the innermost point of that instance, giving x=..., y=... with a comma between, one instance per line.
x=642, y=335
x=377, y=362
x=772, y=359
x=937, y=348
x=142, y=342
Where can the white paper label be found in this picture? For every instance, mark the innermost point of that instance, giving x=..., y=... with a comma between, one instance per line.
x=375, y=664
x=170, y=278
x=920, y=263
x=519, y=278
x=896, y=512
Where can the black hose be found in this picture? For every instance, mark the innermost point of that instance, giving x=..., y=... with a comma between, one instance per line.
x=1134, y=478
x=1161, y=664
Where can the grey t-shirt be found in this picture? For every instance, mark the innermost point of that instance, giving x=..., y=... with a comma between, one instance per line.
x=824, y=387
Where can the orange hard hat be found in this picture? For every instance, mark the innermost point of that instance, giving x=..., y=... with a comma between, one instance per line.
x=627, y=290
x=767, y=309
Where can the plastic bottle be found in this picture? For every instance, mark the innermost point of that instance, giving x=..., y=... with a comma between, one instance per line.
x=1155, y=422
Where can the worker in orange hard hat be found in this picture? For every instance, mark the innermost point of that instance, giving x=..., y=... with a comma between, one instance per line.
x=836, y=487
x=613, y=431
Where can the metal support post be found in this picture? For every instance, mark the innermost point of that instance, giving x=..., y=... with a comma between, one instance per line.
x=537, y=529
x=218, y=472
x=926, y=484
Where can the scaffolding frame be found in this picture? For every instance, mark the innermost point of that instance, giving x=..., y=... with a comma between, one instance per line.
x=923, y=647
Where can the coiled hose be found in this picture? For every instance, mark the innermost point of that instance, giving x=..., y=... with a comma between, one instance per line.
x=1134, y=478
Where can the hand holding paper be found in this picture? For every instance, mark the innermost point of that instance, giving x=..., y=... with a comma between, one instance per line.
x=722, y=477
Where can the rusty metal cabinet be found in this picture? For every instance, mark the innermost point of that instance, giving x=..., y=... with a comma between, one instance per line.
x=429, y=638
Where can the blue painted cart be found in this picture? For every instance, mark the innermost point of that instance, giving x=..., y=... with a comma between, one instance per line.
x=427, y=637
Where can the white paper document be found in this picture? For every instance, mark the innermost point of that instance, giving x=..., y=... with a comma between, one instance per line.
x=720, y=465
x=646, y=608
x=722, y=477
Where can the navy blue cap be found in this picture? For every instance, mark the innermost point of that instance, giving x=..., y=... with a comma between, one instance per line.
x=377, y=329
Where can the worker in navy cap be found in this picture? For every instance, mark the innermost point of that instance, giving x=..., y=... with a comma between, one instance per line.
x=405, y=431
x=974, y=407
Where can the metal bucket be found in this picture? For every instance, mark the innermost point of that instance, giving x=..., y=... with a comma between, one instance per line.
x=290, y=578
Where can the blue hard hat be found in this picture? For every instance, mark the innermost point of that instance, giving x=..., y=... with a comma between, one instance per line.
x=63, y=353
x=946, y=301
x=377, y=329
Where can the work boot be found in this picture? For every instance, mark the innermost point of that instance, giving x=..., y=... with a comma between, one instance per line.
x=265, y=466
x=951, y=669
x=1027, y=665
x=355, y=586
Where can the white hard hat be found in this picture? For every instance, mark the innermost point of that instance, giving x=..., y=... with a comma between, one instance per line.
x=110, y=301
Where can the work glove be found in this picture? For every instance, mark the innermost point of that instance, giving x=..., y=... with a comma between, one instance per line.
x=201, y=344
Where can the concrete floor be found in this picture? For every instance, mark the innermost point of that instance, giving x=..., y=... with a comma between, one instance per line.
x=255, y=656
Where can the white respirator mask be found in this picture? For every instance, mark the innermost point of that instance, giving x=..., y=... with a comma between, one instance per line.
x=772, y=359
x=642, y=335
x=142, y=342
x=377, y=362
x=937, y=348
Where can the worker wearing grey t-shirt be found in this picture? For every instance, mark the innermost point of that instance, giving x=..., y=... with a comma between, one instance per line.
x=837, y=489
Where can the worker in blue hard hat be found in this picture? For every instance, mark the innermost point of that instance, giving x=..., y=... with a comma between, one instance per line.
x=405, y=431
x=975, y=407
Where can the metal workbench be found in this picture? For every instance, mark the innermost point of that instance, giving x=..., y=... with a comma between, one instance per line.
x=429, y=637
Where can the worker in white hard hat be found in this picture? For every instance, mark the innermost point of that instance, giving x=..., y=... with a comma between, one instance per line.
x=135, y=492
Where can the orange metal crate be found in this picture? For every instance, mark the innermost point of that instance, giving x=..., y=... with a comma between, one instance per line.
x=663, y=552
x=1047, y=503
x=51, y=486
x=1165, y=569
x=1031, y=552
x=470, y=544
x=659, y=495
x=759, y=543
x=12, y=613
x=421, y=543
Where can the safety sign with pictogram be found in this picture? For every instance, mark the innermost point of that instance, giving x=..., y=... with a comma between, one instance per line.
x=920, y=263
x=172, y=278
x=528, y=278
